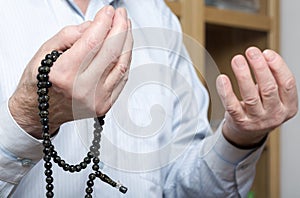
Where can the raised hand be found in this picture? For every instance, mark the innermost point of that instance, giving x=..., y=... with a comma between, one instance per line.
x=86, y=79
x=265, y=104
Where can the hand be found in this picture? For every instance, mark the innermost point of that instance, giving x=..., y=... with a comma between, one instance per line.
x=265, y=105
x=86, y=79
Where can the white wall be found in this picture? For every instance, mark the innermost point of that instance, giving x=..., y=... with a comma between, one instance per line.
x=290, y=133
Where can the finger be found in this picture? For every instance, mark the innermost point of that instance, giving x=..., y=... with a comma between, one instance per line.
x=91, y=40
x=112, y=47
x=266, y=82
x=230, y=102
x=285, y=80
x=247, y=87
x=119, y=74
x=64, y=39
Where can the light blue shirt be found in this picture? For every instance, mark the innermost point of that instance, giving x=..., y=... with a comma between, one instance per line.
x=156, y=141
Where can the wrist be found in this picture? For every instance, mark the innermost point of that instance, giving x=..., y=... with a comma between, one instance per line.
x=243, y=140
x=25, y=114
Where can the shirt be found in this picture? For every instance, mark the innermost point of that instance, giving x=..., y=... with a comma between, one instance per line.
x=156, y=140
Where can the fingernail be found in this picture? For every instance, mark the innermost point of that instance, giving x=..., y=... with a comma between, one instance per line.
x=239, y=61
x=109, y=10
x=254, y=54
x=269, y=55
x=221, y=86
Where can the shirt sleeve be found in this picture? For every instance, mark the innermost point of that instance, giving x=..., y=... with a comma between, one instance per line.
x=210, y=166
x=18, y=151
x=213, y=168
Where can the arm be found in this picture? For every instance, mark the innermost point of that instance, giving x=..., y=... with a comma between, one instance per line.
x=216, y=166
x=20, y=129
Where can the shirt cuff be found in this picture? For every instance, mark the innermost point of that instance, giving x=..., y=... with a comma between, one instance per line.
x=18, y=150
x=228, y=160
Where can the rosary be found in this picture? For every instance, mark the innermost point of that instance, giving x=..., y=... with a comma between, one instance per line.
x=49, y=151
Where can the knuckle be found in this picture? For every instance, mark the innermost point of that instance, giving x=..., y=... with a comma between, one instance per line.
x=92, y=43
x=251, y=101
x=64, y=32
x=231, y=109
x=290, y=83
x=269, y=90
x=114, y=54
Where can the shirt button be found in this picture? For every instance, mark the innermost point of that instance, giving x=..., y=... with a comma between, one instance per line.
x=26, y=162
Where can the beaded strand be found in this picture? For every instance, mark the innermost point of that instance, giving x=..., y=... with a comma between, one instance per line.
x=49, y=151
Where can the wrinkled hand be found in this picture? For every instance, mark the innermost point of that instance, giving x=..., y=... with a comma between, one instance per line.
x=265, y=105
x=86, y=79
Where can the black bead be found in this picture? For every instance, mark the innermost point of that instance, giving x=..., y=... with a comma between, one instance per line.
x=90, y=154
x=53, y=153
x=48, y=165
x=78, y=168
x=48, y=56
x=44, y=121
x=56, y=159
x=45, y=129
x=61, y=163
x=96, y=142
x=46, y=136
x=55, y=53
x=97, y=153
x=42, y=91
x=47, y=62
x=72, y=168
x=43, y=113
x=47, y=158
x=101, y=122
x=96, y=160
x=93, y=149
x=49, y=180
x=83, y=165
x=44, y=69
x=47, y=151
x=90, y=183
x=43, y=98
x=49, y=187
x=92, y=176
x=46, y=143
x=89, y=190
x=42, y=77
x=123, y=189
x=46, y=84
x=66, y=167
x=88, y=196
x=43, y=106
x=97, y=136
x=48, y=172
x=87, y=160
x=49, y=194
x=95, y=167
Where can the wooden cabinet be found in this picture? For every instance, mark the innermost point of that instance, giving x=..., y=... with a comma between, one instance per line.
x=225, y=33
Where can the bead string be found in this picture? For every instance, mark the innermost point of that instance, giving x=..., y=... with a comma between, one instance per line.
x=49, y=151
